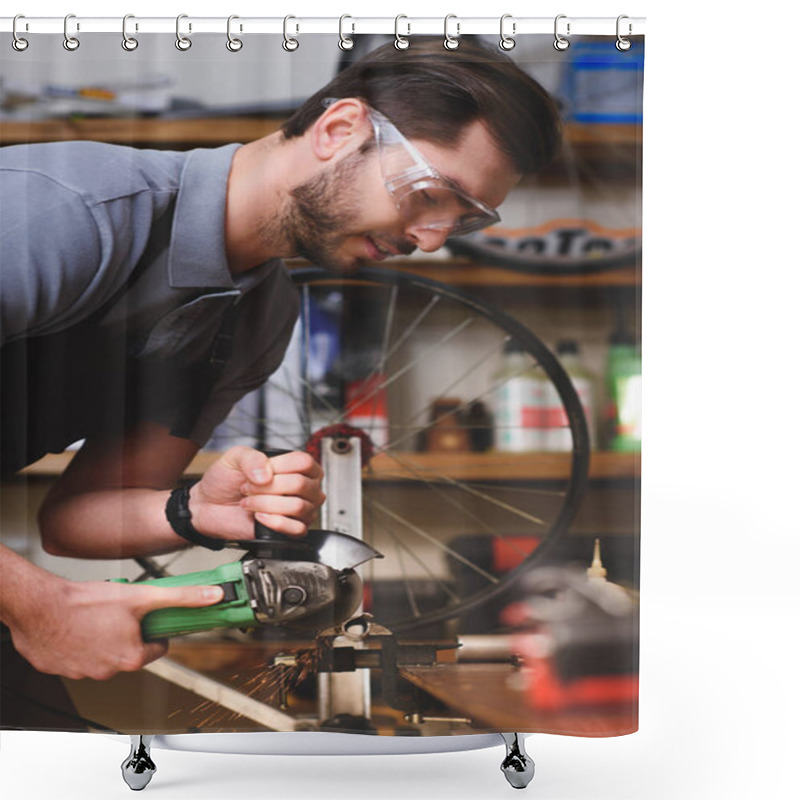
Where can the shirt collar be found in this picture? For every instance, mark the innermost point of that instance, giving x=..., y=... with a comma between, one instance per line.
x=197, y=246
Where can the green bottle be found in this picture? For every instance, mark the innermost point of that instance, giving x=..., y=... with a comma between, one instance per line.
x=624, y=382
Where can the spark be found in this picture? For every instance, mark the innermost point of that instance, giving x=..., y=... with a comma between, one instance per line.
x=270, y=685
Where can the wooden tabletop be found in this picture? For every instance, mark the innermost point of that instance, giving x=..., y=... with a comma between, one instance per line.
x=493, y=697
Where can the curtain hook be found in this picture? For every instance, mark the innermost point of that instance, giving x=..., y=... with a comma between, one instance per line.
x=233, y=44
x=560, y=42
x=401, y=42
x=182, y=42
x=70, y=42
x=18, y=43
x=451, y=42
x=622, y=43
x=290, y=44
x=345, y=42
x=129, y=43
x=507, y=42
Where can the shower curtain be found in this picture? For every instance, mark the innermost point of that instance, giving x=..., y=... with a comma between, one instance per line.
x=475, y=406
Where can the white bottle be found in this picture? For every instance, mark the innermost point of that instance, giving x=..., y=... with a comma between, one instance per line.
x=517, y=402
x=556, y=434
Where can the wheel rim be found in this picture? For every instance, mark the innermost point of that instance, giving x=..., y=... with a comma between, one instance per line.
x=420, y=339
x=448, y=300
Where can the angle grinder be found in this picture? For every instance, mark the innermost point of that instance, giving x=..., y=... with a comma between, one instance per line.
x=308, y=583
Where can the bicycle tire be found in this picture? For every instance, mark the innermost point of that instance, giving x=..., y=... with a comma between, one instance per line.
x=547, y=360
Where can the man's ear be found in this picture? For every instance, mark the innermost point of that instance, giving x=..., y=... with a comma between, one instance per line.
x=344, y=126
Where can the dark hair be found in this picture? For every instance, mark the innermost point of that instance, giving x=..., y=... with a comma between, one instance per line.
x=431, y=93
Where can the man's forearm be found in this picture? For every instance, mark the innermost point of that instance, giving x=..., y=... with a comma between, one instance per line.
x=87, y=629
x=111, y=501
x=22, y=586
x=108, y=523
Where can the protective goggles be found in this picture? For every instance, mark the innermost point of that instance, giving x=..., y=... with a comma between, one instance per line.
x=423, y=197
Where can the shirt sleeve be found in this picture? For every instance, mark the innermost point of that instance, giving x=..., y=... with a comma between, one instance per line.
x=50, y=251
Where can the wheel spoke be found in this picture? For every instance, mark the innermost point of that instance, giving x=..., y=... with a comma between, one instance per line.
x=436, y=579
x=410, y=465
x=271, y=433
x=387, y=330
x=310, y=391
x=406, y=334
x=445, y=392
x=495, y=487
x=448, y=498
x=435, y=542
x=385, y=354
x=403, y=370
x=432, y=303
x=461, y=407
x=412, y=598
x=305, y=359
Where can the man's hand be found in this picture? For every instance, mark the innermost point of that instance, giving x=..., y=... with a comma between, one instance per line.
x=93, y=629
x=109, y=502
x=283, y=493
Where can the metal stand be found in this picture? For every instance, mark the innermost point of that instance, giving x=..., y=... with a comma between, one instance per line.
x=517, y=766
x=138, y=768
x=343, y=693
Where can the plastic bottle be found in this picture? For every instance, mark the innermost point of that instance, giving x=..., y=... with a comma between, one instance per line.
x=557, y=436
x=597, y=572
x=624, y=382
x=517, y=402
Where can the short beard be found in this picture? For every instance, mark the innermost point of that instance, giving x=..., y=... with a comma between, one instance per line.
x=321, y=212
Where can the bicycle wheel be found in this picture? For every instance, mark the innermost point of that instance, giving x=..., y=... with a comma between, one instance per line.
x=378, y=350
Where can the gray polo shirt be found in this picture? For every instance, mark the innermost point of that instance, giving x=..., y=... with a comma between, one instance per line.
x=132, y=242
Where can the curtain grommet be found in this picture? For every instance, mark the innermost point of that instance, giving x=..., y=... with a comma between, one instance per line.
x=622, y=44
x=401, y=42
x=233, y=44
x=18, y=43
x=71, y=43
x=129, y=43
x=451, y=42
x=507, y=42
x=290, y=44
x=345, y=42
x=560, y=43
x=183, y=43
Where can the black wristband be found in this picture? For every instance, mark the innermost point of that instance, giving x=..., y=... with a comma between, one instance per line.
x=180, y=518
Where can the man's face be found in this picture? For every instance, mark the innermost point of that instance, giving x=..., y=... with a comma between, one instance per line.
x=345, y=217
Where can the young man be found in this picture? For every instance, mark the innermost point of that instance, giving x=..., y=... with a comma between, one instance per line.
x=143, y=294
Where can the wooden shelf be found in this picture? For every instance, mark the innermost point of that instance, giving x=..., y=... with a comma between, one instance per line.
x=460, y=271
x=611, y=151
x=458, y=466
x=186, y=132
x=600, y=134
x=220, y=130
x=463, y=272
x=500, y=466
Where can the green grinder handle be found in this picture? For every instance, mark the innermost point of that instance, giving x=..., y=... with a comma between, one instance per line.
x=232, y=612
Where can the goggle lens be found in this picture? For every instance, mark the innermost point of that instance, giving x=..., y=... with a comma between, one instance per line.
x=422, y=196
x=437, y=207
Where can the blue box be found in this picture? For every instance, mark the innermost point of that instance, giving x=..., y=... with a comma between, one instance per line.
x=602, y=84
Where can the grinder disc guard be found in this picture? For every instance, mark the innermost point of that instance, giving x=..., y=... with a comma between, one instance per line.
x=336, y=550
